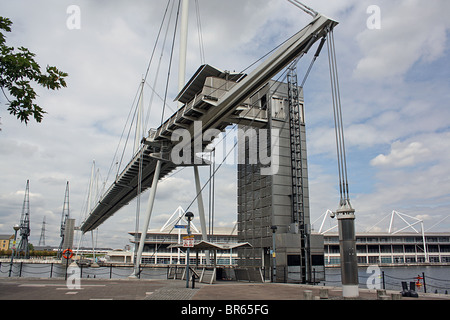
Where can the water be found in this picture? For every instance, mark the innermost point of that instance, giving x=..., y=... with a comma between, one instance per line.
x=437, y=278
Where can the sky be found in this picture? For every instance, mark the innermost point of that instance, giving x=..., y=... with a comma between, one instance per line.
x=394, y=81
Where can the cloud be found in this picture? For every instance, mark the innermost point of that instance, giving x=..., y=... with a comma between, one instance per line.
x=426, y=148
x=423, y=217
x=412, y=178
x=402, y=155
x=12, y=147
x=176, y=187
x=410, y=32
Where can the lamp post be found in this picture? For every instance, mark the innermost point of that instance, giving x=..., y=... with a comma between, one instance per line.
x=189, y=216
x=274, y=267
x=13, y=252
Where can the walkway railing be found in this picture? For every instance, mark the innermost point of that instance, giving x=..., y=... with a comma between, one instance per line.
x=423, y=282
x=57, y=270
x=385, y=280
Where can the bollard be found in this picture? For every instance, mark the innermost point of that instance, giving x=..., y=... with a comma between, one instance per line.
x=380, y=292
x=323, y=293
x=193, y=280
x=307, y=295
x=396, y=296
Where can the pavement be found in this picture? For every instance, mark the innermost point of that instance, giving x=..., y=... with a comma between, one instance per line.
x=135, y=289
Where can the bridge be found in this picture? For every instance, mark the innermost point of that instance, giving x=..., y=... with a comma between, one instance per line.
x=209, y=102
x=213, y=98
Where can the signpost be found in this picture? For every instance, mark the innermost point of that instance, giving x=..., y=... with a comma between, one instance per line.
x=188, y=242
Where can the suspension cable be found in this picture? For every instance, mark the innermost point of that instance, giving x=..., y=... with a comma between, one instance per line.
x=141, y=150
x=114, y=160
x=170, y=62
x=157, y=71
x=276, y=83
x=200, y=34
x=338, y=123
x=157, y=39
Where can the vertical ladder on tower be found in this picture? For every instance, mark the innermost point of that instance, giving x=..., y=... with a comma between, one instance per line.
x=295, y=142
x=296, y=120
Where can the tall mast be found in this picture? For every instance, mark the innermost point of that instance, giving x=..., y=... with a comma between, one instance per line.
x=139, y=119
x=91, y=186
x=64, y=216
x=181, y=82
x=183, y=44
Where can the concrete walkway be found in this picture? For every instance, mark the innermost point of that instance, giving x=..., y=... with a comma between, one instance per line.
x=128, y=289
x=283, y=291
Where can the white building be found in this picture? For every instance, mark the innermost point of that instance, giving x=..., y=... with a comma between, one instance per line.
x=157, y=250
x=392, y=249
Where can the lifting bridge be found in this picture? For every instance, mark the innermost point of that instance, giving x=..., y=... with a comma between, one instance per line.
x=213, y=98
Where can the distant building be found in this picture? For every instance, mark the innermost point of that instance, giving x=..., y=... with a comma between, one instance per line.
x=392, y=249
x=372, y=248
x=6, y=241
x=157, y=251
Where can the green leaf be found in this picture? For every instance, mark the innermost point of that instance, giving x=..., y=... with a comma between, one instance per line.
x=17, y=71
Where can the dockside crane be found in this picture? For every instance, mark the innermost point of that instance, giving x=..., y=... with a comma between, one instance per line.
x=25, y=231
x=64, y=216
x=42, y=238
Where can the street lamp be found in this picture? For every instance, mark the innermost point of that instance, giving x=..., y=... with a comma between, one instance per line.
x=274, y=270
x=13, y=252
x=189, y=216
